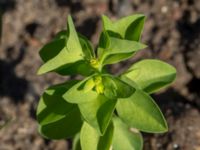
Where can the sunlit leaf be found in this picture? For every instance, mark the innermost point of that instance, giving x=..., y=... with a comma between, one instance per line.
x=141, y=112
x=116, y=88
x=78, y=94
x=86, y=47
x=125, y=138
x=129, y=27
x=69, y=52
x=98, y=112
x=151, y=74
x=118, y=50
x=91, y=140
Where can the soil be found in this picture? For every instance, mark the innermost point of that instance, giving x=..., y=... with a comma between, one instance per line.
x=172, y=31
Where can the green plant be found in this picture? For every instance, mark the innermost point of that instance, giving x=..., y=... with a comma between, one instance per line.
x=109, y=111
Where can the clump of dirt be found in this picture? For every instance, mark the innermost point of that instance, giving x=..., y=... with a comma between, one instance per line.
x=172, y=32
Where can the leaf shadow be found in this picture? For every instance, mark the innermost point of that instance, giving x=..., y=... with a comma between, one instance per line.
x=172, y=103
x=75, y=6
x=88, y=27
x=10, y=84
x=189, y=32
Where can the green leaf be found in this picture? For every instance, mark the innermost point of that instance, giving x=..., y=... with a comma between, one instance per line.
x=98, y=112
x=110, y=88
x=78, y=93
x=89, y=85
x=80, y=67
x=119, y=40
x=118, y=47
x=112, y=59
x=76, y=145
x=55, y=115
x=104, y=41
x=66, y=127
x=125, y=138
x=73, y=45
x=141, y=112
x=52, y=106
x=96, y=108
x=66, y=55
x=129, y=27
x=134, y=30
x=61, y=35
x=53, y=48
x=50, y=50
x=151, y=75
x=116, y=88
x=86, y=46
x=90, y=139
x=123, y=89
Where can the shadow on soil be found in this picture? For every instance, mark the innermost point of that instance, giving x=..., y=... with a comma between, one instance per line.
x=88, y=27
x=75, y=6
x=189, y=32
x=174, y=102
x=10, y=84
x=190, y=35
x=6, y=5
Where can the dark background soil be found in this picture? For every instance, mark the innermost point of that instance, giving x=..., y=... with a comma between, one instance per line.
x=172, y=31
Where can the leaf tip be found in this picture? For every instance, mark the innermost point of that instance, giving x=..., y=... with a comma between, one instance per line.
x=40, y=71
x=69, y=18
x=144, y=46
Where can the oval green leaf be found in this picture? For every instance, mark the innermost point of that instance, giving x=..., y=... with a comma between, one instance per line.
x=129, y=27
x=141, y=112
x=116, y=88
x=91, y=140
x=117, y=47
x=125, y=138
x=53, y=48
x=52, y=107
x=98, y=112
x=67, y=54
x=151, y=75
x=78, y=93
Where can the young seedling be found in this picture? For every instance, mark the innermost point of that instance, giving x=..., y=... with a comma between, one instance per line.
x=102, y=111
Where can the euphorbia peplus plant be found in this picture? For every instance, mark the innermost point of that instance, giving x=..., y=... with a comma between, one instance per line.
x=102, y=111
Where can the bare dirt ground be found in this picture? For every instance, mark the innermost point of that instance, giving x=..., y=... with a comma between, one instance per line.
x=172, y=31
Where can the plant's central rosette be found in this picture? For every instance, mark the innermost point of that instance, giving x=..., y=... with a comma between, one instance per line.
x=95, y=63
x=95, y=83
x=99, y=84
x=99, y=110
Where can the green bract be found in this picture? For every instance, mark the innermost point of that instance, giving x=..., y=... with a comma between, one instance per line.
x=102, y=111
